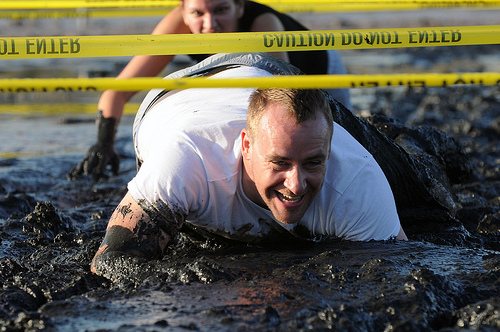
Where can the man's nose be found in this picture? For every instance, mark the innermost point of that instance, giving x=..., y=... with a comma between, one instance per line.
x=210, y=23
x=295, y=181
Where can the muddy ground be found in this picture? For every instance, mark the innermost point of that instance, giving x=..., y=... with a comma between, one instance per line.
x=446, y=278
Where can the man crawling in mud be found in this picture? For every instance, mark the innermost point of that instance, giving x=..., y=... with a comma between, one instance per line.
x=246, y=164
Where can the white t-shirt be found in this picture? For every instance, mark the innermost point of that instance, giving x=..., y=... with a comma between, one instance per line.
x=190, y=147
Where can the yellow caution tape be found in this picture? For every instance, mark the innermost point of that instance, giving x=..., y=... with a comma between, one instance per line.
x=119, y=8
x=59, y=109
x=73, y=4
x=374, y=5
x=311, y=5
x=12, y=155
x=82, y=13
x=300, y=82
x=127, y=45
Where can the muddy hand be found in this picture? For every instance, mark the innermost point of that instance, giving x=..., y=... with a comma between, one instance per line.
x=101, y=154
x=95, y=162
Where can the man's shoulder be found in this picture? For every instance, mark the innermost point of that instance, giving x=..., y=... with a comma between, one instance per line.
x=347, y=161
x=350, y=203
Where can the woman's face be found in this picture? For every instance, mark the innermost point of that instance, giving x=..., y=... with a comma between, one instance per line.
x=212, y=16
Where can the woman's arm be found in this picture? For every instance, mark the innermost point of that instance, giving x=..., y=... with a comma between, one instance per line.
x=112, y=102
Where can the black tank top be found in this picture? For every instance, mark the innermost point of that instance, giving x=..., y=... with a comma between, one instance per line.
x=310, y=62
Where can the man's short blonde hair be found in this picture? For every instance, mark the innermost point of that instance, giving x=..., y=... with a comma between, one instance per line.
x=302, y=104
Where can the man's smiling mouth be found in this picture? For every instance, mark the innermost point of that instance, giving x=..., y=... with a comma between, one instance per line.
x=288, y=199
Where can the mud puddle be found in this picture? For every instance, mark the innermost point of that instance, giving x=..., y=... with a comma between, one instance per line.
x=344, y=285
x=446, y=278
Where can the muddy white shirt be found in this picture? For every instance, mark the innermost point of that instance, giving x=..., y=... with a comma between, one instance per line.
x=190, y=147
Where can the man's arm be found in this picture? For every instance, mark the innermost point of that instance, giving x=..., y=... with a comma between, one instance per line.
x=130, y=234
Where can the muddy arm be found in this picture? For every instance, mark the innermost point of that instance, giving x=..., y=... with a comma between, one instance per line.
x=131, y=237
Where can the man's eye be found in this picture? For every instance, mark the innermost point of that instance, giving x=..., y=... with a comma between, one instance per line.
x=280, y=163
x=314, y=164
x=197, y=13
x=221, y=10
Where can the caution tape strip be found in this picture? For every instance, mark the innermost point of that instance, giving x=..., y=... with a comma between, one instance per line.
x=299, y=82
x=97, y=9
x=127, y=45
x=332, y=4
x=161, y=11
x=74, y=4
x=52, y=109
x=82, y=13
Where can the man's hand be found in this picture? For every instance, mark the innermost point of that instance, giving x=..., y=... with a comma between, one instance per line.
x=102, y=153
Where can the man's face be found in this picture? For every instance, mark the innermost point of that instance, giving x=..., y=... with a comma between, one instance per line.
x=211, y=16
x=285, y=164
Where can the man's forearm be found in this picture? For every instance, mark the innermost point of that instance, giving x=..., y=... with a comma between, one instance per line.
x=131, y=234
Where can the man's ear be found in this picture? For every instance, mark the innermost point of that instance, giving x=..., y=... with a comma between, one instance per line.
x=245, y=143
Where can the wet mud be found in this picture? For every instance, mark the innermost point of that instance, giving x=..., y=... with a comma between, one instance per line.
x=446, y=278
